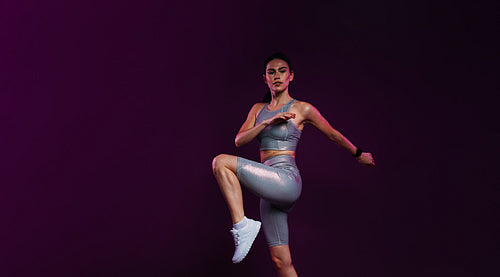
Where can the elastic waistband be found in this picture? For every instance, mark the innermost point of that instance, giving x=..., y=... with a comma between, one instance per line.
x=279, y=159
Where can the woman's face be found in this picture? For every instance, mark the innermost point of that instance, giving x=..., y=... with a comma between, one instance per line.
x=278, y=75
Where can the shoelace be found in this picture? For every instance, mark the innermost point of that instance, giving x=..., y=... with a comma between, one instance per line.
x=236, y=236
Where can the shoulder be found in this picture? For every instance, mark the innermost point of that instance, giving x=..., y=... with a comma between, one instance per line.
x=304, y=107
x=259, y=105
x=256, y=108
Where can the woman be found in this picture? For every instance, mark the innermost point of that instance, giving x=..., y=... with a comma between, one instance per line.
x=278, y=125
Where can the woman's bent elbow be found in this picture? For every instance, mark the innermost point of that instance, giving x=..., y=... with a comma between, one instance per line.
x=334, y=137
x=237, y=143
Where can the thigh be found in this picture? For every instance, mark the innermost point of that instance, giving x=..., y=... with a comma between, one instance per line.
x=274, y=223
x=276, y=185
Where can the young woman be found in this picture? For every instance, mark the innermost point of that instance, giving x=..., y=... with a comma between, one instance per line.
x=277, y=124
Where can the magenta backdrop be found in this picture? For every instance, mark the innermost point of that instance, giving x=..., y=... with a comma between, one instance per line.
x=111, y=113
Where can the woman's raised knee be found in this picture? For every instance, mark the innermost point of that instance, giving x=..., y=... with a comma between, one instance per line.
x=221, y=161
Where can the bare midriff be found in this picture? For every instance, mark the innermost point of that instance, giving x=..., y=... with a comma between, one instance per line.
x=266, y=154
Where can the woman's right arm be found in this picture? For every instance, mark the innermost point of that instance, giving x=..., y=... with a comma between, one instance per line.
x=248, y=131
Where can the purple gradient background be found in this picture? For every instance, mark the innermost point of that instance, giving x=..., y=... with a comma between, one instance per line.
x=111, y=113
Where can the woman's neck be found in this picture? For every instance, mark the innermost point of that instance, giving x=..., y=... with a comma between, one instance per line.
x=280, y=99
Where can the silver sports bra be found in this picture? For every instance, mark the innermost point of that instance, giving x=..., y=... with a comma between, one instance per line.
x=281, y=136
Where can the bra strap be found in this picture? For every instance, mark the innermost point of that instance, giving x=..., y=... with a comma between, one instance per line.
x=289, y=104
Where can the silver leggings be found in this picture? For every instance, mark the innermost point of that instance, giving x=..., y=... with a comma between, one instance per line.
x=277, y=182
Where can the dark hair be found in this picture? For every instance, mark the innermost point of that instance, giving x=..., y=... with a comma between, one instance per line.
x=278, y=55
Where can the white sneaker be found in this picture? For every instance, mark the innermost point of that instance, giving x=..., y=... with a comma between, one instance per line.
x=243, y=239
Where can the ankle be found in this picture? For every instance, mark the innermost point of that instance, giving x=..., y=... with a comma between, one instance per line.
x=241, y=224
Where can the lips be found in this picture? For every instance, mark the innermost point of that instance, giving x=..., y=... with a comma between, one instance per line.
x=277, y=83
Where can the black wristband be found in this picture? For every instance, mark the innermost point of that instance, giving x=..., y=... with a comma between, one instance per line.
x=358, y=152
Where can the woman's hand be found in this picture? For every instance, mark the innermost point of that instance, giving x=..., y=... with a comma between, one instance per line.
x=279, y=117
x=366, y=159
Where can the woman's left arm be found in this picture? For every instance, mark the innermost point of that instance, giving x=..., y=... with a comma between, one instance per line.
x=313, y=116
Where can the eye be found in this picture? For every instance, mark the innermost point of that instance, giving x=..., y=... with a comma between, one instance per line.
x=282, y=71
x=270, y=72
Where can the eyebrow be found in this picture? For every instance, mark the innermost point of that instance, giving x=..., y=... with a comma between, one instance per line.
x=278, y=68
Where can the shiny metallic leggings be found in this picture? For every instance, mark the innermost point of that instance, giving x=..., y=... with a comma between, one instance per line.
x=277, y=182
